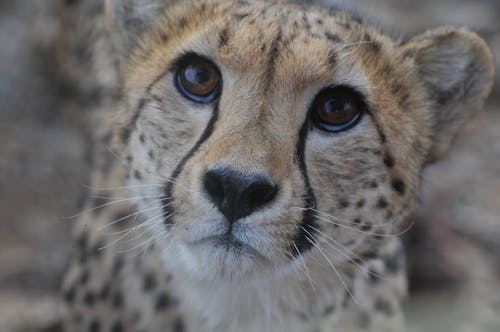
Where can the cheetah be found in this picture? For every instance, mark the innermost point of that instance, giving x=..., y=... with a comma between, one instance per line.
x=260, y=160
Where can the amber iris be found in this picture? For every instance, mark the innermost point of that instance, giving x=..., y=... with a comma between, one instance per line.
x=199, y=80
x=337, y=109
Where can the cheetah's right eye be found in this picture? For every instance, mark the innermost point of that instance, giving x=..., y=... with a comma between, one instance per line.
x=198, y=79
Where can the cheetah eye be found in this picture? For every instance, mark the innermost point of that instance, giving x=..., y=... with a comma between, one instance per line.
x=337, y=109
x=198, y=79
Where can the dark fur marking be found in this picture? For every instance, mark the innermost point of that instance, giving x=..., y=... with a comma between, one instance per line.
x=142, y=138
x=357, y=221
x=366, y=227
x=383, y=306
x=82, y=240
x=389, y=161
x=117, y=266
x=302, y=240
x=332, y=37
x=151, y=154
x=137, y=175
x=329, y=310
x=241, y=16
x=127, y=130
x=382, y=203
x=69, y=295
x=168, y=209
x=117, y=300
x=399, y=186
x=163, y=302
x=89, y=299
x=105, y=290
x=117, y=327
x=274, y=53
x=361, y=203
x=178, y=325
x=98, y=203
x=97, y=249
x=95, y=326
x=344, y=204
x=84, y=278
x=149, y=283
x=223, y=37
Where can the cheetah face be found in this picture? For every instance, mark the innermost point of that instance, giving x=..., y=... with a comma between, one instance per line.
x=263, y=136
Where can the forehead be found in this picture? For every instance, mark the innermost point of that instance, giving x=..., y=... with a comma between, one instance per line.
x=257, y=36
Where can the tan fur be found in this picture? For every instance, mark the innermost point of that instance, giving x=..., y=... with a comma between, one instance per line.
x=274, y=58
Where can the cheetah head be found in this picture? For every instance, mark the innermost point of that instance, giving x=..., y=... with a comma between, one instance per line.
x=262, y=135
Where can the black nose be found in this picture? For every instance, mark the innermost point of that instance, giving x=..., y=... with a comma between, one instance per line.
x=236, y=194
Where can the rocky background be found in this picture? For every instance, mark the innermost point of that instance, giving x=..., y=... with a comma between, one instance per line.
x=454, y=248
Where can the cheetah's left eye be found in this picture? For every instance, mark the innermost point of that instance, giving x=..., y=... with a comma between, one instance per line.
x=198, y=79
x=337, y=109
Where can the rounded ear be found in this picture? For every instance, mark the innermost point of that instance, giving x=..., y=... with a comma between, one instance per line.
x=455, y=67
x=128, y=19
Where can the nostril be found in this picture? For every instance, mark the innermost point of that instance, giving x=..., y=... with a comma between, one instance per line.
x=214, y=185
x=260, y=193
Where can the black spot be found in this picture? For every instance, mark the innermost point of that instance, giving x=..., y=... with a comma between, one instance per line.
x=125, y=134
x=373, y=184
x=332, y=58
x=117, y=327
x=98, y=248
x=71, y=2
x=329, y=310
x=399, y=186
x=332, y=37
x=83, y=257
x=382, y=203
x=178, y=325
x=89, y=299
x=151, y=154
x=223, y=37
x=357, y=221
x=183, y=22
x=360, y=203
x=117, y=266
x=82, y=240
x=142, y=138
x=394, y=264
x=105, y=290
x=319, y=21
x=149, y=282
x=344, y=204
x=389, y=161
x=384, y=306
x=164, y=37
x=137, y=175
x=163, y=301
x=95, y=326
x=84, y=278
x=240, y=16
x=117, y=300
x=366, y=227
x=98, y=203
x=69, y=295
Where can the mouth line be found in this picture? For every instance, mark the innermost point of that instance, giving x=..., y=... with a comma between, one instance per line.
x=230, y=244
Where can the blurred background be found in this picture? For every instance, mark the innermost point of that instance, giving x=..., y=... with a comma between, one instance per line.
x=454, y=249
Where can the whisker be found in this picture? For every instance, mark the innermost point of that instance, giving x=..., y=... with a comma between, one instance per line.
x=331, y=265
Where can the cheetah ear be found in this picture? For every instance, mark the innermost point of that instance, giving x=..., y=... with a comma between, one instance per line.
x=128, y=19
x=456, y=69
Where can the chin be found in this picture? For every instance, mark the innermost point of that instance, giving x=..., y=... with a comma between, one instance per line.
x=220, y=258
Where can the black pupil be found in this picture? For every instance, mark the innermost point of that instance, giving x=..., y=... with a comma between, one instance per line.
x=197, y=75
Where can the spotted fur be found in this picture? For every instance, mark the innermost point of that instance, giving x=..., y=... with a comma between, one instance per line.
x=325, y=254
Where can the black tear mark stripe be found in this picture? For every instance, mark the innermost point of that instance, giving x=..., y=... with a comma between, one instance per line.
x=168, y=210
x=308, y=226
